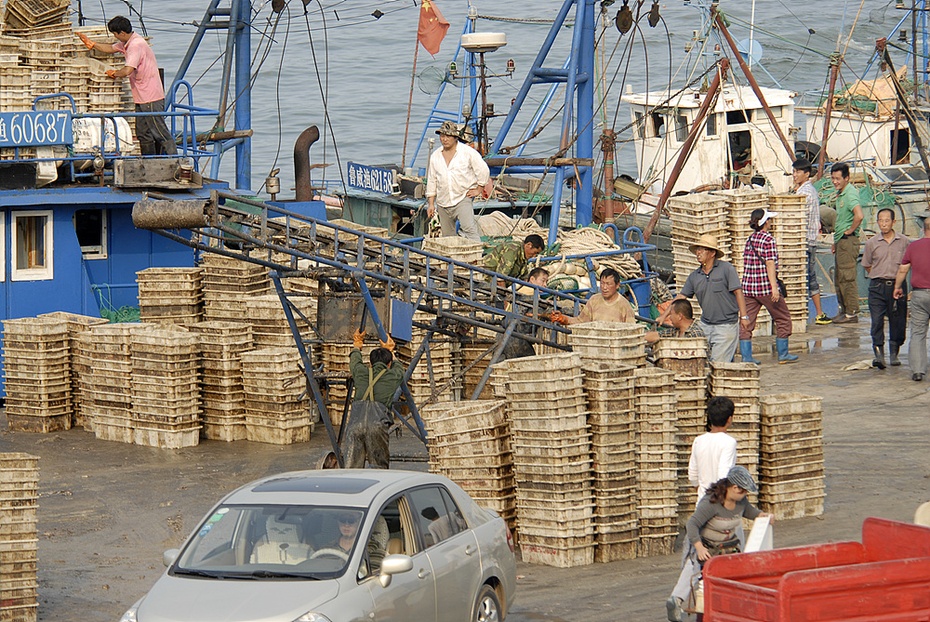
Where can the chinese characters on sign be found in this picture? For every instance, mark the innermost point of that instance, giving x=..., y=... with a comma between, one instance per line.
x=35, y=128
x=371, y=178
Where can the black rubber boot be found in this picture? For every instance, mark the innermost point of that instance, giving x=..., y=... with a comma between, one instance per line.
x=893, y=355
x=879, y=360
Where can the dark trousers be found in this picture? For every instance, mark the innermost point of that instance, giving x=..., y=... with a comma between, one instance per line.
x=882, y=304
x=152, y=132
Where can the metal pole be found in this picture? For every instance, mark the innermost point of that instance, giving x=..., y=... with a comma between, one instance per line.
x=752, y=81
x=835, y=59
x=685, y=152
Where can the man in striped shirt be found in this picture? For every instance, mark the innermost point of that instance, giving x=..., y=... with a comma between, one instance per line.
x=802, y=170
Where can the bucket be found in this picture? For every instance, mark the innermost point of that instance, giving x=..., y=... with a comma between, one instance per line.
x=642, y=291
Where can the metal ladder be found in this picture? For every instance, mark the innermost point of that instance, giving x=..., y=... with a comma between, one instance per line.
x=460, y=297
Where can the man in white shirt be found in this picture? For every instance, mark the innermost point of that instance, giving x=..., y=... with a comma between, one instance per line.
x=456, y=175
x=714, y=452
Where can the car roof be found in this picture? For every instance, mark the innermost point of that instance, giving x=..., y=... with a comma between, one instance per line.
x=338, y=487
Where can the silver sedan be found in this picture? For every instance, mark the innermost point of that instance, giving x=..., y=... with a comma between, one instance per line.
x=342, y=546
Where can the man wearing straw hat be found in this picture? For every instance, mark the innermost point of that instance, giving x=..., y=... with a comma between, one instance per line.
x=718, y=290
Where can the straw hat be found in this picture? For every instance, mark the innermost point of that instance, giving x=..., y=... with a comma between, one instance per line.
x=707, y=241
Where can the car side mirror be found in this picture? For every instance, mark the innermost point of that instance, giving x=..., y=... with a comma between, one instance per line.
x=392, y=565
x=168, y=557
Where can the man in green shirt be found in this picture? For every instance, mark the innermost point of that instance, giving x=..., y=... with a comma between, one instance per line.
x=511, y=258
x=846, y=244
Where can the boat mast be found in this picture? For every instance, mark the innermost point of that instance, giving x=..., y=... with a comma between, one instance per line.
x=578, y=111
x=236, y=19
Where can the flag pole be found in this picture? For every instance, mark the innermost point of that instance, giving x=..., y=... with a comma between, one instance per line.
x=413, y=77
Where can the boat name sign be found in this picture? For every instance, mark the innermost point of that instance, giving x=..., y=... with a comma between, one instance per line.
x=371, y=178
x=35, y=128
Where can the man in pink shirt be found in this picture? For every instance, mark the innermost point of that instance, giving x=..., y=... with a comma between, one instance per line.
x=147, y=91
x=917, y=261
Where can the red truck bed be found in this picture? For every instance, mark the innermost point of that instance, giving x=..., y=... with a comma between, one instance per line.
x=885, y=578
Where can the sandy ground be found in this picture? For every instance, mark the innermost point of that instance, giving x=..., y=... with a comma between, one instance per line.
x=108, y=510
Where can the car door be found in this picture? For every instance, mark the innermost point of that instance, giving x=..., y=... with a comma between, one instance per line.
x=411, y=595
x=452, y=550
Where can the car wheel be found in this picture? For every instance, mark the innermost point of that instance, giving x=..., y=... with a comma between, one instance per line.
x=487, y=606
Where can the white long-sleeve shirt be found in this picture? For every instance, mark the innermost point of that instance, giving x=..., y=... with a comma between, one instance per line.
x=712, y=455
x=449, y=183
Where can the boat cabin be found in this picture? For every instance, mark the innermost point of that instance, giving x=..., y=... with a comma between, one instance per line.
x=736, y=144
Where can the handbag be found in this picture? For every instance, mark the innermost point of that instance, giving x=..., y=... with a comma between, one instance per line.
x=778, y=282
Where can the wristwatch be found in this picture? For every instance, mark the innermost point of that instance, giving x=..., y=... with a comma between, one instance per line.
x=744, y=317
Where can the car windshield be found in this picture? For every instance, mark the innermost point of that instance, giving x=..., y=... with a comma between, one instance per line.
x=272, y=542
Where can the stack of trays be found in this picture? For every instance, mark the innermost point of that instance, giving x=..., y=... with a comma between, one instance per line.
x=470, y=444
x=692, y=216
x=790, y=231
x=170, y=295
x=25, y=14
x=423, y=382
x=107, y=391
x=228, y=286
x=275, y=411
x=481, y=341
x=454, y=247
x=691, y=394
x=612, y=342
x=19, y=501
x=269, y=323
x=791, y=477
x=37, y=370
x=336, y=365
x=221, y=347
x=552, y=460
x=77, y=324
x=16, y=93
x=657, y=460
x=740, y=203
x=165, y=388
x=686, y=356
x=609, y=391
x=740, y=383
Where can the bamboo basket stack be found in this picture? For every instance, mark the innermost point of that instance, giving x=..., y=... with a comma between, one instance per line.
x=470, y=444
x=165, y=388
x=221, y=348
x=37, y=374
x=552, y=460
x=609, y=391
x=276, y=409
x=791, y=475
x=19, y=537
x=657, y=460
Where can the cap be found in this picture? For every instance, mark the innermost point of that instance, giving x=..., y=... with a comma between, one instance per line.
x=450, y=128
x=766, y=215
x=739, y=476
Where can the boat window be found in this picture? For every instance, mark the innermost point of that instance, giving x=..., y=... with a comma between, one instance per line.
x=91, y=228
x=3, y=246
x=711, y=125
x=681, y=128
x=638, y=125
x=735, y=117
x=32, y=246
x=658, y=124
x=776, y=111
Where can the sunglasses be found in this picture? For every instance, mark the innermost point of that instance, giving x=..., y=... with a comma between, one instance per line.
x=350, y=520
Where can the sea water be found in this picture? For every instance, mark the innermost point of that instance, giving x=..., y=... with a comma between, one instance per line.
x=365, y=66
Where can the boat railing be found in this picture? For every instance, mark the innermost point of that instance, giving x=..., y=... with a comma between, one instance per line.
x=110, y=142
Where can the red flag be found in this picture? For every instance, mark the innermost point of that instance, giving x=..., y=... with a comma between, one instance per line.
x=432, y=27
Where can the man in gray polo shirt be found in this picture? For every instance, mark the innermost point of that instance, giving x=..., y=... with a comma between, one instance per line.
x=718, y=290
